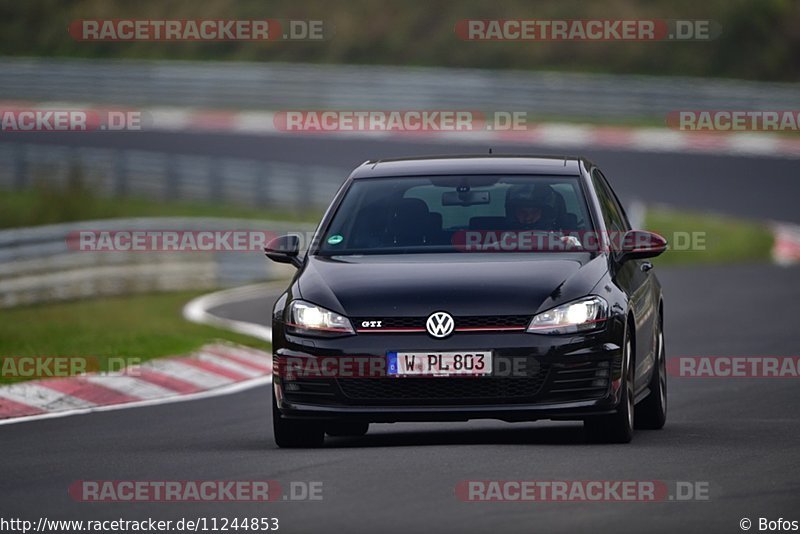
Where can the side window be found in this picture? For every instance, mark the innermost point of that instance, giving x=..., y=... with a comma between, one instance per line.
x=612, y=212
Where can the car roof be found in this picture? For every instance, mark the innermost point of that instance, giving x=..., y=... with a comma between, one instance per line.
x=471, y=164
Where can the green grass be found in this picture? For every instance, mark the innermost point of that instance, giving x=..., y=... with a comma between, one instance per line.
x=49, y=205
x=725, y=239
x=141, y=326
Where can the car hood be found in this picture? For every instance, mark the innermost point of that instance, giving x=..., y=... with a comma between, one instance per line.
x=419, y=284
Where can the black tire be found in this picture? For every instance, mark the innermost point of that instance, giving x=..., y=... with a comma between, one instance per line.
x=617, y=427
x=651, y=413
x=346, y=428
x=291, y=434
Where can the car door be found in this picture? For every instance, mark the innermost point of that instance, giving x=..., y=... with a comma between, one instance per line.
x=633, y=277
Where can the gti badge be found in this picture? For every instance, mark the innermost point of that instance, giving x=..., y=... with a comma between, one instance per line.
x=440, y=324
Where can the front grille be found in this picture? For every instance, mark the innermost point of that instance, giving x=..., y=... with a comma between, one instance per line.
x=546, y=383
x=489, y=321
x=444, y=390
x=492, y=320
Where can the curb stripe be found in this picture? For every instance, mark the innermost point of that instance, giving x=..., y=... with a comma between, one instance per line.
x=229, y=364
x=213, y=370
x=167, y=381
x=46, y=399
x=189, y=373
x=131, y=386
x=229, y=389
x=79, y=388
x=216, y=369
x=258, y=363
x=10, y=408
x=786, y=248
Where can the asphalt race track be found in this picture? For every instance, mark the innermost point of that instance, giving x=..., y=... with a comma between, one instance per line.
x=737, y=435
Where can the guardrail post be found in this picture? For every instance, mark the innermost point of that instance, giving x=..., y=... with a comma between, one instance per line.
x=304, y=185
x=20, y=166
x=172, y=189
x=215, y=181
x=262, y=184
x=121, y=174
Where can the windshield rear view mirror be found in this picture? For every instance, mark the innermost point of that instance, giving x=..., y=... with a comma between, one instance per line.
x=465, y=198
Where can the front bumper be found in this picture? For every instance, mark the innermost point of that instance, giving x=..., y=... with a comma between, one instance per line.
x=540, y=377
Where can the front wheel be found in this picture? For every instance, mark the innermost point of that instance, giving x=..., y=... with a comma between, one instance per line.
x=651, y=413
x=617, y=427
x=293, y=434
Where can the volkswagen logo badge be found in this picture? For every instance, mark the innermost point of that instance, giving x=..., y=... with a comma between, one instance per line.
x=440, y=324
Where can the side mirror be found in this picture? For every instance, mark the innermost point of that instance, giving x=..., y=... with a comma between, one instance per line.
x=284, y=249
x=638, y=244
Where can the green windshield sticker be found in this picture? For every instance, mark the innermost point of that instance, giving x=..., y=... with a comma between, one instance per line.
x=335, y=239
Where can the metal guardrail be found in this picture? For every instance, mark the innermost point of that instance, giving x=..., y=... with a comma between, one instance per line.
x=275, y=86
x=38, y=265
x=167, y=176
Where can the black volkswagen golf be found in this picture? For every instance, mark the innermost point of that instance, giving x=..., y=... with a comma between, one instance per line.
x=456, y=288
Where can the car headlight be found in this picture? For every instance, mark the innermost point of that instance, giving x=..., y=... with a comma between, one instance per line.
x=581, y=315
x=307, y=318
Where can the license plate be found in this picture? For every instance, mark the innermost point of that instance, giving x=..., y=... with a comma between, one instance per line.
x=465, y=363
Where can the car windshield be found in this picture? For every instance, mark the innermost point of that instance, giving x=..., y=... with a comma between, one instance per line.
x=455, y=214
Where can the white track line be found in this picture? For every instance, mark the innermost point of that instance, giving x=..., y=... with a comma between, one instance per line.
x=197, y=310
